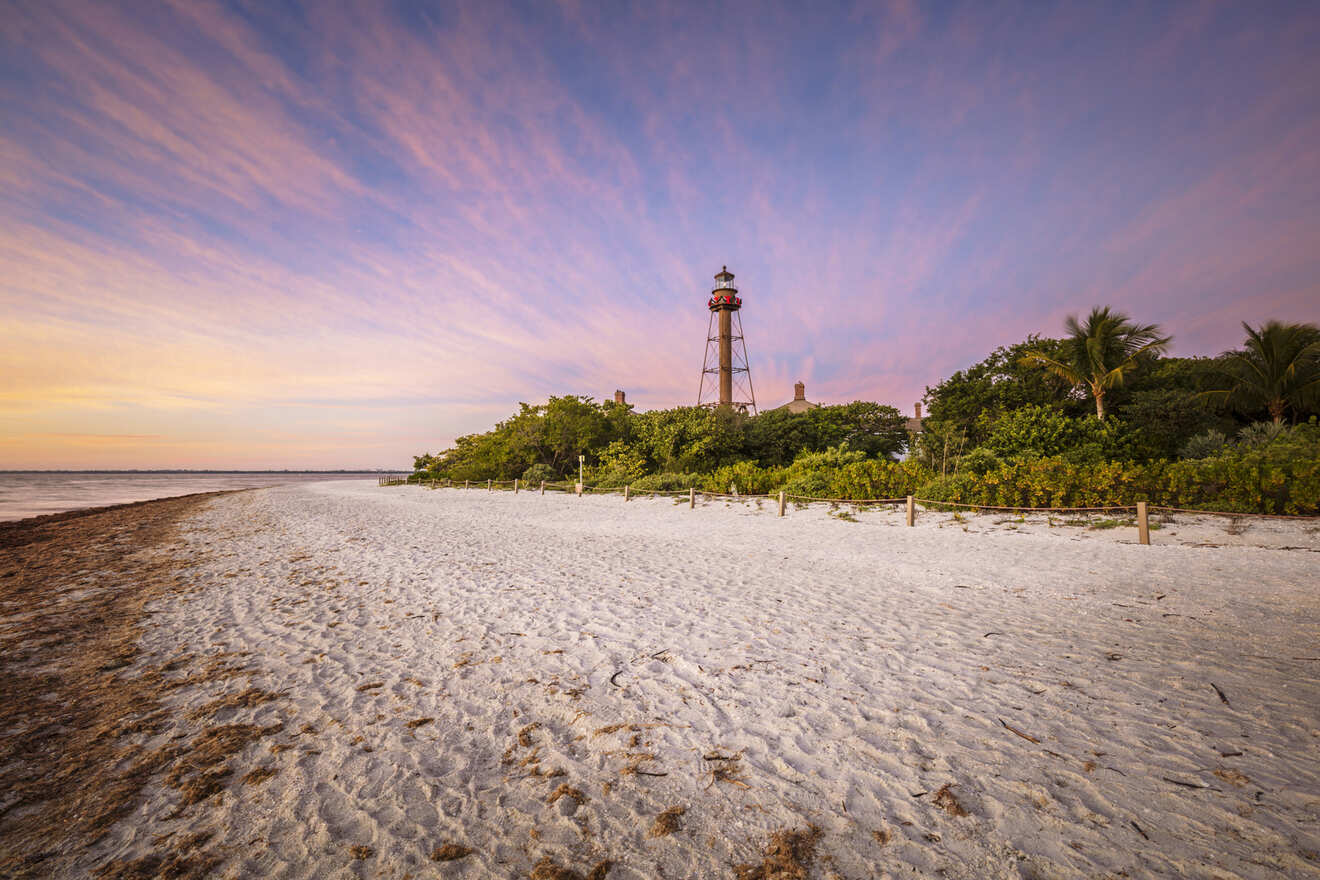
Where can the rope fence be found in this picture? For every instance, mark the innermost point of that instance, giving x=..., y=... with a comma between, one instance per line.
x=1227, y=513
x=1141, y=509
x=929, y=503
x=810, y=498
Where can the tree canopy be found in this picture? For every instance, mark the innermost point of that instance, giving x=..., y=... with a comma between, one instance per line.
x=1277, y=371
x=1014, y=425
x=1100, y=352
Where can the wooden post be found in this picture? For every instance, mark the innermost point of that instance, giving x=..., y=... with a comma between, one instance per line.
x=1143, y=524
x=515, y=485
x=692, y=498
x=465, y=483
x=543, y=487
x=911, y=511
x=781, y=502
x=490, y=485
x=626, y=492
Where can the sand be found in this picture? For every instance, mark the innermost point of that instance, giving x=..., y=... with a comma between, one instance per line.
x=72, y=592
x=463, y=684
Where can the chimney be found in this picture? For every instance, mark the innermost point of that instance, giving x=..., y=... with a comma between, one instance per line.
x=618, y=397
x=917, y=407
x=799, y=391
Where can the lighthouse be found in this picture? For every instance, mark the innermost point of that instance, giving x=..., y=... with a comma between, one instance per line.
x=726, y=377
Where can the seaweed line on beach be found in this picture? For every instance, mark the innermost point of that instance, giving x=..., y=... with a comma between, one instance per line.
x=73, y=588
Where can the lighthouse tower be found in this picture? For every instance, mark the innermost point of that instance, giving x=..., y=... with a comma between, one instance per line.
x=726, y=378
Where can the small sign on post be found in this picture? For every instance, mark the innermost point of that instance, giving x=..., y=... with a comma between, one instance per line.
x=911, y=511
x=1143, y=524
x=781, y=502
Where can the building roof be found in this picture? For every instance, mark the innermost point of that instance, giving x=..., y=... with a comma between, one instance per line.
x=798, y=406
x=799, y=403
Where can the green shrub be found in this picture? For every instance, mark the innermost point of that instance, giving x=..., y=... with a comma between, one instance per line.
x=1205, y=444
x=747, y=477
x=1040, y=482
x=833, y=457
x=859, y=480
x=667, y=482
x=1261, y=434
x=620, y=465
x=980, y=461
x=538, y=472
x=1282, y=477
x=1042, y=432
x=878, y=479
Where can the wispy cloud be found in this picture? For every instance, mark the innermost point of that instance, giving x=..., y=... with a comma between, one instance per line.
x=342, y=233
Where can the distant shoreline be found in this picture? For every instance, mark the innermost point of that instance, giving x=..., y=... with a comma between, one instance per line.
x=187, y=471
x=24, y=495
x=10, y=526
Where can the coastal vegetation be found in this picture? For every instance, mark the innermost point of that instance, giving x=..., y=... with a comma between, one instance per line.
x=1099, y=417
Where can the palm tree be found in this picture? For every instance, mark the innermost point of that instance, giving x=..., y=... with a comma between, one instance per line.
x=1100, y=352
x=1277, y=370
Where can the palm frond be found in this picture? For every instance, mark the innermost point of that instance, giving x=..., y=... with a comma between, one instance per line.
x=1057, y=368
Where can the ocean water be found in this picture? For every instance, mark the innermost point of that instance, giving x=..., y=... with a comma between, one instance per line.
x=32, y=494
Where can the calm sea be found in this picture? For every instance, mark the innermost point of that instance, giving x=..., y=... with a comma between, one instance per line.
x=31, y=494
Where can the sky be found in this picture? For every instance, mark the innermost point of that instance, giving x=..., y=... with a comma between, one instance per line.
x=338, y=234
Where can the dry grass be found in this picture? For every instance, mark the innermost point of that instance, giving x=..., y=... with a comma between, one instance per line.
x=71, y=710
x=258, y=775
x=565, y=790
x=635, y=761
x=945, y=800
x=449, y=852
x=361, y=852
x=726, y=769
x=217, y=669
x=1232, y=776
x=546, y=869
x=245, y=699
x=418, y=722
x=201, y=770
x=667, y=822
x=787, y=856
x=181, y=862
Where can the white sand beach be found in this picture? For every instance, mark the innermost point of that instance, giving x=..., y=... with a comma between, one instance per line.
x=538, y=679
